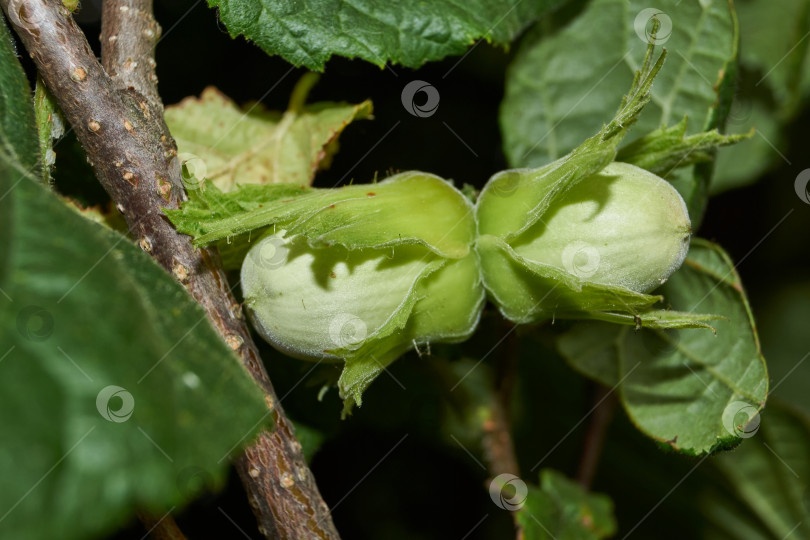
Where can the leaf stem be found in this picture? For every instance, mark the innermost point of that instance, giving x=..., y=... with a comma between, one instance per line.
x=605, y=401
x=499, y=448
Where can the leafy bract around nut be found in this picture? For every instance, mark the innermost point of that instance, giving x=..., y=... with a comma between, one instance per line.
x=598, y=247
x=584, y=236
x=351, y=275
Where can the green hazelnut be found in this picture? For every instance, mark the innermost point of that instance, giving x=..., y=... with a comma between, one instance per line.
x=366, y=275
x=620, y=232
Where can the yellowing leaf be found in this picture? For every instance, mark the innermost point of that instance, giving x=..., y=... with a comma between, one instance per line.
x=256, y=146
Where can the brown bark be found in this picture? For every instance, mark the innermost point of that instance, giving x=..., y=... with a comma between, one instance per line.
x=118, y=118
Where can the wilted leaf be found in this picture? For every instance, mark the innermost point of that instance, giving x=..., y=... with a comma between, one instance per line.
x=228, y=145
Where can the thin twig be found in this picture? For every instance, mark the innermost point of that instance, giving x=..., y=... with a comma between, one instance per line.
x=595, y=438
x=129, y=36
x=134, y=158
x=499, y=449
x=164, y=528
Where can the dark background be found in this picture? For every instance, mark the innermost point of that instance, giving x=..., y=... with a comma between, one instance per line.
x=428, y=487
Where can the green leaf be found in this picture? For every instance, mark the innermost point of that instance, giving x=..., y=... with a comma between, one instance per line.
x=19, y=148
x=747, y=161
x=50, y=127
x=776, y=65
x=561, y=510
x=407, y=32
x=84, y=311
x=769, y=472
x=563, y=85
x=227, y=145
x=679, y=387
x=115, y=392
x=666, y=149
x=777, y=47
x=785, y=343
